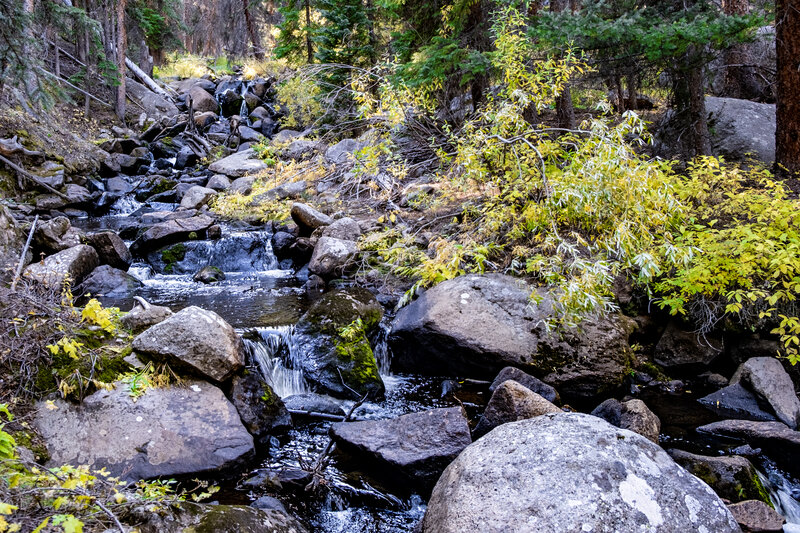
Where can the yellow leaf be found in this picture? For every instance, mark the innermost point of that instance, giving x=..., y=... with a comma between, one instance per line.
x=58, y=502
x=6, y=508
x=393, y=218
x=13, y=528
x=50, y=405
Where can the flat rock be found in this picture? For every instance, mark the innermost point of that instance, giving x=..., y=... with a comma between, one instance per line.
x=776, y=438
x=511, y=402
x=570, y=472
x=526, y=380
x=195, y=338
x=756, y=516
x=735, y=401
x=314, y=403
x=238, y=164
x=74, y=263
x=767, y=378
x=189, y=517
x=170, y=431
x=293, y=189
x=414, y=448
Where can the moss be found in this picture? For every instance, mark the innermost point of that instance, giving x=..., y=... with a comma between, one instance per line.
x=104, y=368
x=751, y=488
x=172, y=255
x=162, y=185
x=359, y=368
x=654, y=370
x=338, y=309
x=33, y=442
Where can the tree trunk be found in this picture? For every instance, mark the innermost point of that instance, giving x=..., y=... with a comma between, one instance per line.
x=565, y=112
x=740, y=79
x=633, y=91
x=787, y=134
x=251, y=29
x=122, y=45
x=309, y=48
x=690, y=106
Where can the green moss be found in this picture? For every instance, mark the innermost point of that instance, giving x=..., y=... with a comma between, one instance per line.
x=654, y=370
x=338, y=309
x=163, y=185
x=79, y=372
x=358, y=366
x=172, y=255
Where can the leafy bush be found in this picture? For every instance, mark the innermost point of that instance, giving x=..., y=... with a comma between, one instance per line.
x=298, y=99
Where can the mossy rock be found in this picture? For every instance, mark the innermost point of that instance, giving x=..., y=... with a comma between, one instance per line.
x=188, y=517
x=82, y=373
x=172, y=255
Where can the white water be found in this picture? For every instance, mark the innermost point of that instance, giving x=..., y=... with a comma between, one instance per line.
x=285, y=381
x=780, y=493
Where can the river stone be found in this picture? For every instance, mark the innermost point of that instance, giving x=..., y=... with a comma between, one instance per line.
x=77, y=194
x=308, y=219
x=779, y=441
x=261, y=410
x=511, y=402
x=74, y=263
x=292, y=189
x=111, y=249
x=219, y=182
x=139, y=318
x=757, y=516
x=526, y=380
x=243, y=185
x=345, y=229
x=735, y=401
x=55, y=235
x=332, y=257
x=189, y=517
x=313, y=403
x=281, y=244
x=633, y=415
x=413, y=448
x=108, y=281
x=208, y=274
x=733, y=478
x=767, y=378
x=195, y=338
x=327, y=358
x=299, y=150
x=197, y=196
x=343, y=152
x=203, y=102
x=680, y=350
x=165, y=432
x=570, y=472
x=171, y=232
x=267, y=503
x=238, y=164
x=474, y=325
x=12, y=240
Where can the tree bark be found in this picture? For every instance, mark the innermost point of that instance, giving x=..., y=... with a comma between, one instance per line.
x=787, y=134
x=258, y=52
x=690, y=105
x=309, y=48
x=122, y=45
x=565, y=111
x=740, y=79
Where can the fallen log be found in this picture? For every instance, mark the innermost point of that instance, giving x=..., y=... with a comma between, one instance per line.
x=145, y=79
x=12, y=146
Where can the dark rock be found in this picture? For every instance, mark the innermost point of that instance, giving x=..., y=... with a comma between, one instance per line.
x=108, y=281
x=167, y=431
x=766, y=377
x=313, y=403
x=185, y=158
x=680, y=350
x=204, y=120
x=511, y=402
x=209, y=274
x=570, y=472
x=214, y=232
x=73, y=263
x=308, y=219
x=203, y=102
x=281, y=243
x=55, y=235
x=140, y=318
x=154, y=185
x=332, y=257
x=299, y=150
x=230, y=101
x=756, y=516
x=269, y=503
x=261, y=410
x=632, y=415
x=285, y=137
x=733, y=478
x=778, y=440
x=413, y=448
x=259, y=113
x=189, y=517
x=301, y=250
x=196, y=339
x=475, y=325
x=118, y=184
x=111, y=249
x=247, y=134
x=170, y=232
x=314, y=286
x=526, y=380
x=734, y=401
x=281, y=479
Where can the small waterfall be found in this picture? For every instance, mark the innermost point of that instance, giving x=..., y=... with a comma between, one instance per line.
x=782, y=494
x=266, y=353
x=383, y=355
x=243, y=111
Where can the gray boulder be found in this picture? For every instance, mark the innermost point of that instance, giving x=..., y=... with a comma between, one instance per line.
x=285, y=137
x=111, y=249
x=55, y=235
x=293, y=189
x=733, y=478
x=209, y=274
x=313, y=403
x=308, y=219
x=413, y=448
x=140, y=318
x=766, y=377
x=202, y=101
x=156, y=106
x=261, y=410
x=757, y=516
x=108, y=281
x=343, y=152
x=219, y=182
x=77, y=195
x=74, y=263
x=475, y=325
x=189, y=517
x=171, y=232
x=196, y=339
x=679, y=349
x=570, y=472
x=197, y=196
x=511, y=402
x=633, y=415
x=299, y=150
x=165, y=432
x=741, y=127
x=238, y=164
x=526, y=380
x=243, y=185
x=332, y=257
x=345, y=229
x=775, y=438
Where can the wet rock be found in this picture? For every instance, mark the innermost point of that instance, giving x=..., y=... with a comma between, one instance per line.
x=267, y=503
x=198, y=518
x=218, y=182
x=292, y=189
x=522, y=477
x=119, y=185
x=259, y=113
x=280, y=479
x=140, y=318
x=196, y=339
x=261, y=410
x=12, y=240
x=413, y=448
x=475, y=325
x=74, y=263
x=679, y=349
x=171, y=232
x=111, y=249
x=55, y=235
x=332, y=348
x=186, y=158
x=108, y=281
x=314, y=286
x=734, y=401
x=230, y=101
x=756, y=516
x=313, y=403
x=633, y=415
x=511, y=402
x=766, y=377
x=202, y=102
x=281, y=244
x=238, y=164
x=778, y=440
x=733, y=478
x=345, y=229
x=308, y=219
x=197, y=196
x=184, y=86
x=332, y=257
x=167, y=431
x=209, y=274
x=154, y=185
x=526, y=380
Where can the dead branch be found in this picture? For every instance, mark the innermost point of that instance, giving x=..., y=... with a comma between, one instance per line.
x=32, y=178
x=24, y=253
x=12, y=146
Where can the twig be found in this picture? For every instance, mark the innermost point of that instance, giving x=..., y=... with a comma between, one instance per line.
x=93, y=97
x=316, y=414
x=24, y=253
x=33, y=178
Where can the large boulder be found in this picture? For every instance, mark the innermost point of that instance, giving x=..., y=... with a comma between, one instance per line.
x=633, y=415
x=188, y=517
x=166, y=431
x=741, y=127
x=262, y=411
x=111, y=249
x=12, y=240
x=308, y=219
x=735, y=401
x=413, y=448
x=108, y=281
x=55, y=235
x=155, y=105
x=197, y=196
x=202, y=101
x=570, y=472
x=73, y=263
x=343, y=152
x=332, y=257
x=332, y=347
x=345, y=228
x=196, y=339
x=170, y=232
x=475, y=325
x=511, y=402
x=679, y=349
x=766, y=377
x=238, y=164
x=778, y=440
x=733, y=478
